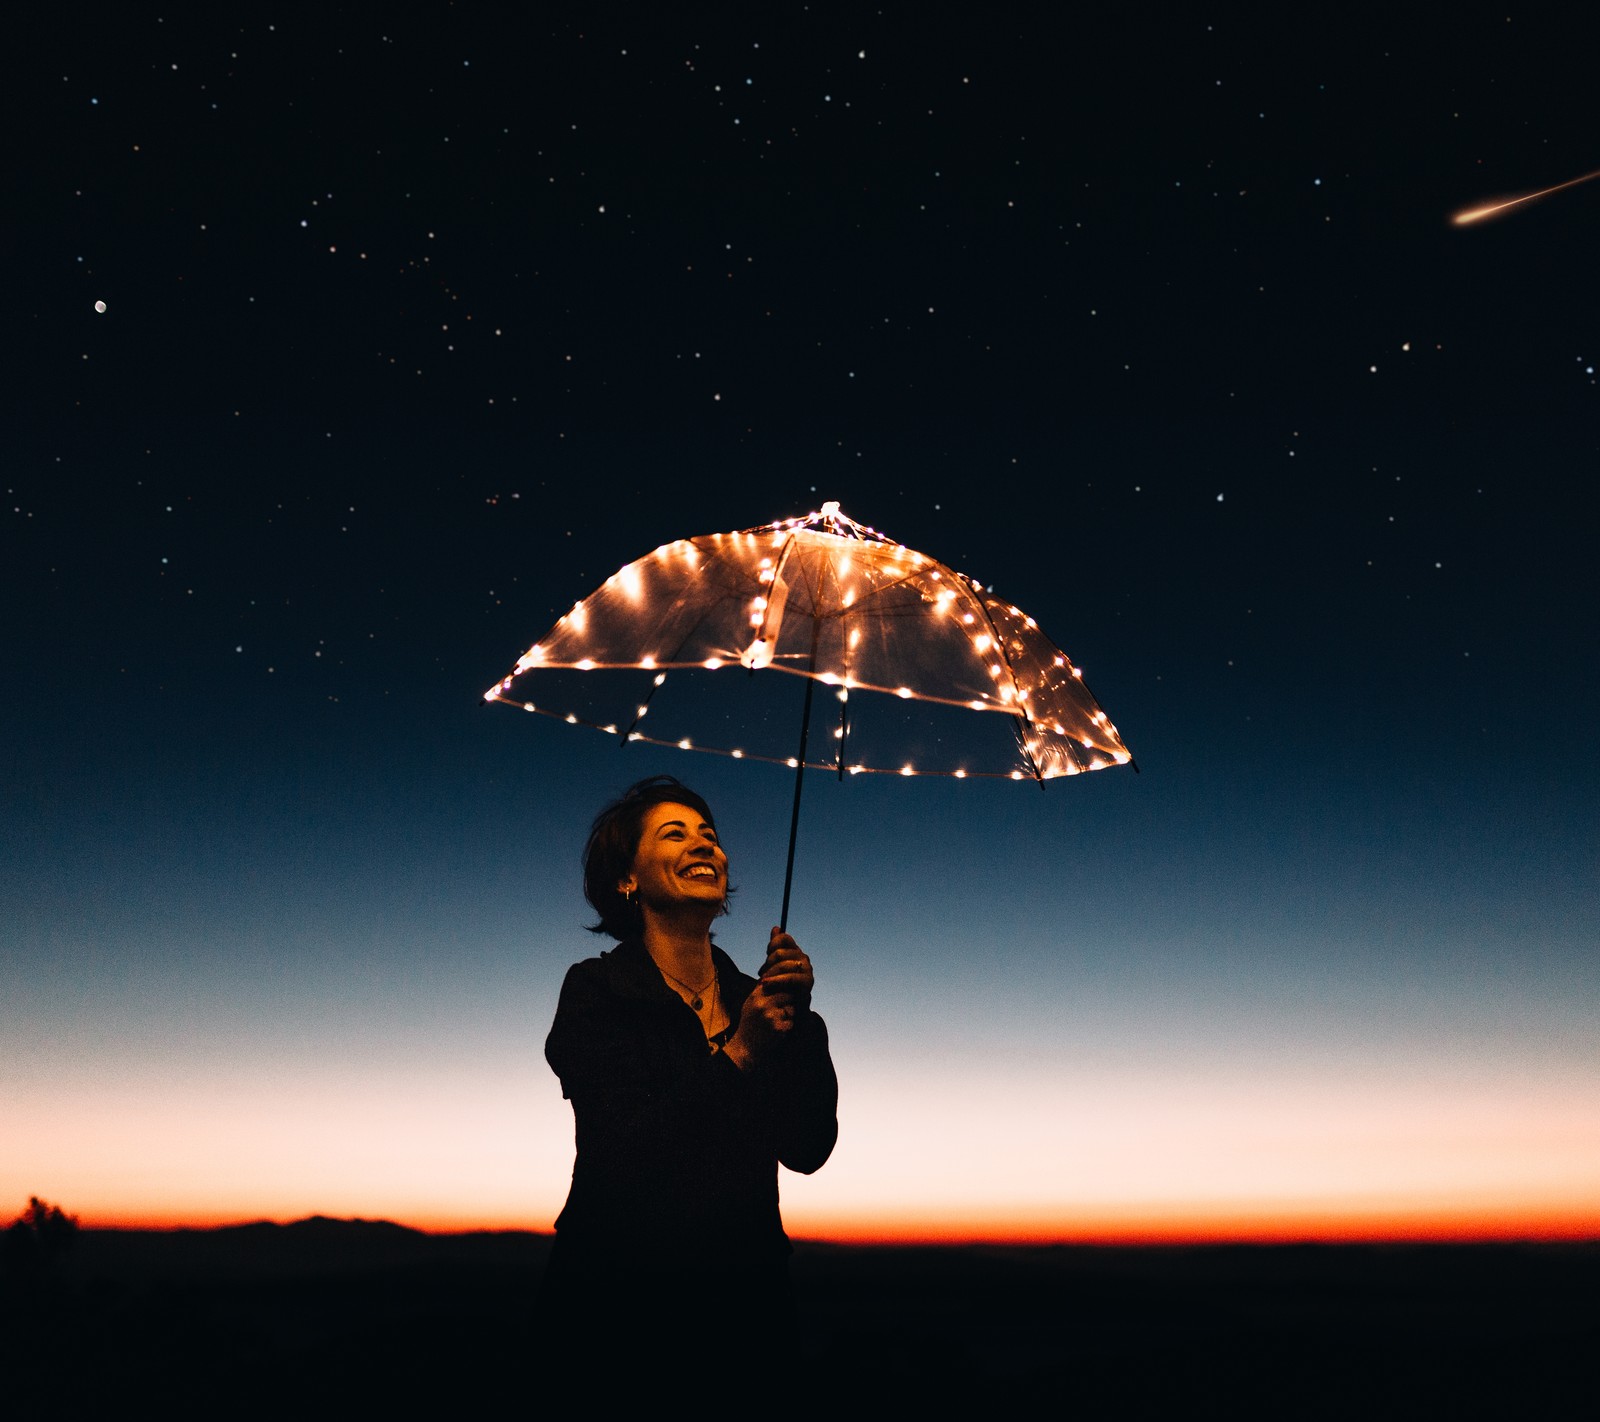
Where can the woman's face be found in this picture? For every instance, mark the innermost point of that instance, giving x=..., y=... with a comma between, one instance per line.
x=679, y=861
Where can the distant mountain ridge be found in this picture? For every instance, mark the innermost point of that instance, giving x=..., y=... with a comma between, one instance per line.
x=316, y=1245
x=322, y=1227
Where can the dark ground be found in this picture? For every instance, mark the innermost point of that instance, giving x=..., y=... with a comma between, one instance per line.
x=351, y=1318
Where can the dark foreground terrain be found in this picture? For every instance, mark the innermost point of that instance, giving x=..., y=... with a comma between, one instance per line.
x=353, y=1318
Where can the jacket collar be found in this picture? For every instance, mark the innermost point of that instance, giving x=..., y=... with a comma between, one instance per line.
x=632, y=972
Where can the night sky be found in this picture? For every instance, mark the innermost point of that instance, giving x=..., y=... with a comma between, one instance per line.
x=418, y=326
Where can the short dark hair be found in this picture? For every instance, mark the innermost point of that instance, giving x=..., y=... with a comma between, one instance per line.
x=614, y=843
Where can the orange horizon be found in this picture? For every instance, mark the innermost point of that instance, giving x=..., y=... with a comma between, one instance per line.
x=1189, y=1229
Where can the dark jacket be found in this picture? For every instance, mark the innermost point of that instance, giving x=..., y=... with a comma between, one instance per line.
x=677, y=1148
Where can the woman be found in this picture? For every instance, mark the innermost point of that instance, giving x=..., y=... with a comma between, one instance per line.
x=689, y=1081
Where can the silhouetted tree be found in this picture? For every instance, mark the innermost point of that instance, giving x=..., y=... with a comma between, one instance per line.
x=37, y=1237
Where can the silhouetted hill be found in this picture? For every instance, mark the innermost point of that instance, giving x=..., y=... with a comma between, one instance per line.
x=305, y=1248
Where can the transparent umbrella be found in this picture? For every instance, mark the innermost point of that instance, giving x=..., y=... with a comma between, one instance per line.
x=831, y=600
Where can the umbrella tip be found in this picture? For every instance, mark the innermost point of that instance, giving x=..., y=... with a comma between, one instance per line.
x=831, y=509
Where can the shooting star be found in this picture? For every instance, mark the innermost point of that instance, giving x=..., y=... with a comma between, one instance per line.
x=1477, y=214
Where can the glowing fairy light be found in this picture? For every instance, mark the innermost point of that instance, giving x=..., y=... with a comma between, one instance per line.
x=685, y=744
x=907, y=770
x=660, y=676
x=648, y=663
x=905, y=693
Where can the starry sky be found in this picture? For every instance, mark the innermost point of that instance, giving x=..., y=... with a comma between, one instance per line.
x=417, y=327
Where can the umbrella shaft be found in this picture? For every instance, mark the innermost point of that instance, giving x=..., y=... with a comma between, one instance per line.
x=799, y=782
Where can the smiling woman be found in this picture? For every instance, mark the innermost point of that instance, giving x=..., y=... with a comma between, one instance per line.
x=690, y=1084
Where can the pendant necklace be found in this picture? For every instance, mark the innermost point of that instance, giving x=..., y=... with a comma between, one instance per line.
x=696, y=994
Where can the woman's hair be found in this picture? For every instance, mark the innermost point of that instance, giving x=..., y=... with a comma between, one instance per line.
x=614, y=842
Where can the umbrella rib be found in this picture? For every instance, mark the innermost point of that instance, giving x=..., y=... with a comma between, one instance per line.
x=777, y=574
x=1021, y=715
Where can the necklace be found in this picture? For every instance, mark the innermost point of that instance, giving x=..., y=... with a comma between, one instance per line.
x=697, y=995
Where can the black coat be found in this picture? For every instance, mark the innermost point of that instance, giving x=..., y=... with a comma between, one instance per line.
x=677, y=1148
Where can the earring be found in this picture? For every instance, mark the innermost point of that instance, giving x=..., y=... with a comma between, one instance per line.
x=627, y=896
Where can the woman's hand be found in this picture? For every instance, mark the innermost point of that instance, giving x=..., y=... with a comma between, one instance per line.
x=787, y=973
x=777, y=1001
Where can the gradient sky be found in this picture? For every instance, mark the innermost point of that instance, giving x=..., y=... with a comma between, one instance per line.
x=418, y=328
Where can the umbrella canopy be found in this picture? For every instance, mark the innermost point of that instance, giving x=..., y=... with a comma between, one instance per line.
x=833, y=600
